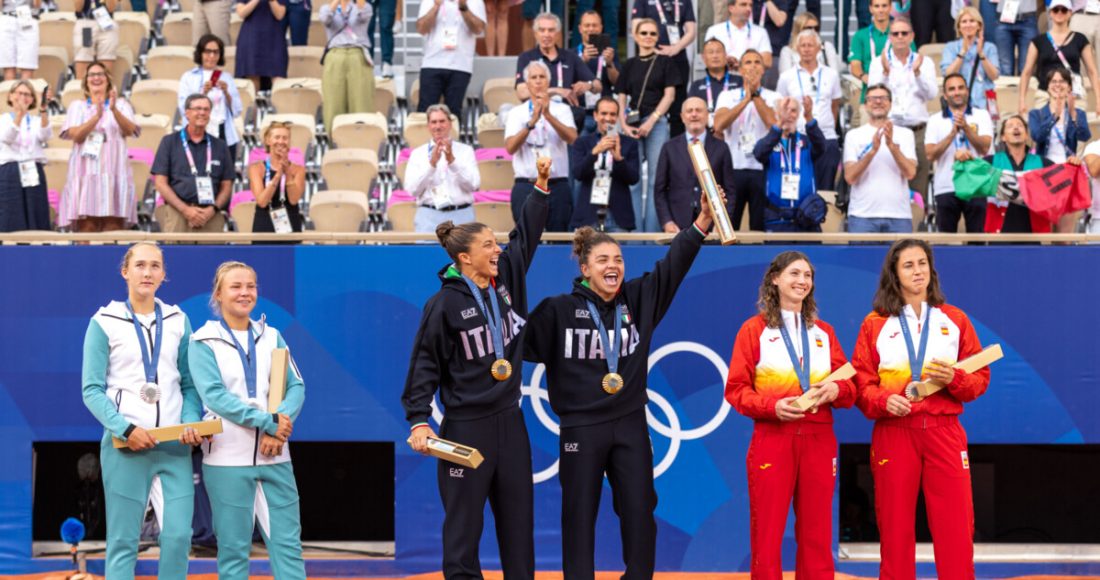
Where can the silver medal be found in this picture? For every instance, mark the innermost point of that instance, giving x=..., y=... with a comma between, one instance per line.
x=150, y=393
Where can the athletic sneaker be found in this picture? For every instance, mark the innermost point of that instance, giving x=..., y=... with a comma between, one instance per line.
x=387, y=70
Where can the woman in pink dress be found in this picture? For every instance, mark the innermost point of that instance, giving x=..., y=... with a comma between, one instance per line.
x=99, y=193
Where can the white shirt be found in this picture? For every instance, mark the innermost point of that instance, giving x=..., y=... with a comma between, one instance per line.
x=1094, y=149
x=882, y=191
x=445, y=184
x=191, y=83
x=910, y=92
x=746, y=129
x=25, y=142
x=738, y=40
x=797, y=83
x=449, y=21
x=542, y=137
x=938, y=128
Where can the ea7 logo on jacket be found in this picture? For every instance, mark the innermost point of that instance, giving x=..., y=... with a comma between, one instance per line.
x=458, y=472
x=572, y=447
x=478, y=342
x=469, y=313
x=582, y=313
x=586, y=343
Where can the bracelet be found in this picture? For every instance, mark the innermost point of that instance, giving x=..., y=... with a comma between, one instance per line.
x=530, y=127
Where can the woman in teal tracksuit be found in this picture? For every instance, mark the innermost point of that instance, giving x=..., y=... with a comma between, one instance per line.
x=247, y=467
x=135, y=378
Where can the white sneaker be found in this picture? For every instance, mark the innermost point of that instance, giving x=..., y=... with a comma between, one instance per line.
x=387, y=70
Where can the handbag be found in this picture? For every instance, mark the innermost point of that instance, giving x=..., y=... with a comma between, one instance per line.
x=634, y=118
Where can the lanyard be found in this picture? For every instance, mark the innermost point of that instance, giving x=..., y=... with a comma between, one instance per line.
x=191, y=158
x=561, y=81
x=916, y=358
x=961, y=142
x=817, y=88
x=664, y=21
x=612, y=346
x=748, y=33
x=801, y=364
x=494, y=322
x=538, y=126
x=248, y=360
x=748, y=125
x=725, y=87
x=599, y=62
x=785, y=155
x=282, y=181
x=26, y=138
x=150, y=363
x=1058, y=132
x=1058, y=50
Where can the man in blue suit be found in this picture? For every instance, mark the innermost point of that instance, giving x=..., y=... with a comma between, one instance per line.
x=605, y=165
x=676, y=189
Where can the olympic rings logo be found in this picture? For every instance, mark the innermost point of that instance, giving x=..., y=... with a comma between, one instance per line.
x=673, y=429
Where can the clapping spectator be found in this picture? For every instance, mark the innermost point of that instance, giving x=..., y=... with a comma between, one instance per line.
x=95, y=36
x=817, y=88
x=210, y=79
x=261, y=43
x=278, y=184
x=1057, y=128
x=19, y=38
x=442, y=175
x=99, y=194
x=1059, y=47
x=348, y=81
x=450, y=29
x=960, y=133
x=788, y=158
x=971, y=55
x=23, y=201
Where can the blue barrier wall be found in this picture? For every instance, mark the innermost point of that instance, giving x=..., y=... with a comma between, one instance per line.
x=350, y=314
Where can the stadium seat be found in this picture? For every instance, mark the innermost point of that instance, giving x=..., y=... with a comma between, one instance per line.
x=235, y=23
x=347, y=168
x=933, y=51
x=141, y=171
x=73, y=91
x=490, y=131
x=247, y=91
x=385, y=95
x=133, y=27
x=363, y=130
x=496, y=174
x=156, y=96
x=305, y=61
x=56, y=142
x=416, y=129
x=402, y=216
x=56, y=29
x=153, y=129
x=301, y=130
x=176, y=29
x=123, y=64
x=57, y=168
x=402, y=167
x=317, y=36
x=187, y=5
x=834, y=218
x=497, y=92
x=496, y=215
x=244, y=213
x=53, y=62
x=5, y=88
x=297, y=95
x=231, y=60
x=65, y=5
x=169, y=62
x=337, y=210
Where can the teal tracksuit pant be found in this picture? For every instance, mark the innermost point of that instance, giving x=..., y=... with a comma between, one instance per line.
x=127, y=477
x=232, y=493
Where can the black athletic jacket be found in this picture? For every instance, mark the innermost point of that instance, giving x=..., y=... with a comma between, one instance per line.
x=564, y=337
x=453, y=350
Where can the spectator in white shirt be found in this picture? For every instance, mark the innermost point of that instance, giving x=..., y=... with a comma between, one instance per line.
x=224, y=97
x=912, y=81
x=744, y=117
x=450, y=29
x=23, y=201
x=539, y=127
x=19, y=38
x=739, y=34
x=818, y=88
x=442, y=175
x=958, y=134
x=827, y=56
x=878, y=175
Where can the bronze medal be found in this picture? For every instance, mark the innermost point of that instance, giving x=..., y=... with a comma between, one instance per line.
x=612, y=383
x=502, y=369
x=912, y=391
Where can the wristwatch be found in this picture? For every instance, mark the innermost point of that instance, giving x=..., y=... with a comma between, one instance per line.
x=530, y=127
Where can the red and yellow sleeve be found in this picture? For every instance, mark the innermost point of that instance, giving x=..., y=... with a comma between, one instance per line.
x=966, y=386
x=870, y=397
x=846, y=393
x=740, y=390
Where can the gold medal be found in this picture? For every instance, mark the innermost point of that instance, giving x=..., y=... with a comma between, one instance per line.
x=612, y=383
x=502, y=369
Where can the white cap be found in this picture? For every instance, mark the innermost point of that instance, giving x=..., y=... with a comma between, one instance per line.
x=1063, y=3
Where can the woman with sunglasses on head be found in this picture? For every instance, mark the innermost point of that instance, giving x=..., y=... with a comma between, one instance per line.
x=278, y=184
x=470, y=348
x=780, y=353
x=136, y=378
x=918, y=446
x=599, y=392
x=1059, y=47
x=248, y=464
x=23, y=199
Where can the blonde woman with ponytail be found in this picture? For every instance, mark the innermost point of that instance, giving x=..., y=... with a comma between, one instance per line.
x=247, y=467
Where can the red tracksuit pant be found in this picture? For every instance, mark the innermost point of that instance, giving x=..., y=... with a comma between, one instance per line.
x=923, y=452
x=792, y=461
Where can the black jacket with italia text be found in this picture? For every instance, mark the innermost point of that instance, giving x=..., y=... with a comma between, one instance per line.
x=564, y=337
x=453, y=350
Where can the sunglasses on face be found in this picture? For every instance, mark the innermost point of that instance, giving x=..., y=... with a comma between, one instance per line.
x=647, y=33
x=1059, y=10
x=901, y=32
x=813, y=28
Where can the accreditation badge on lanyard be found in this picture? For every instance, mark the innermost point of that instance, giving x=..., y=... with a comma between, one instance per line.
x=748, y=138
x=204, y=186
x=672, y=29
x=601, y=185
x=1093, y=7
x=279, y=216
x=103, y=18
x=93, y=144
x=28, y=170
x=791, y=170
x=1011, y=10
x=450, y=33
